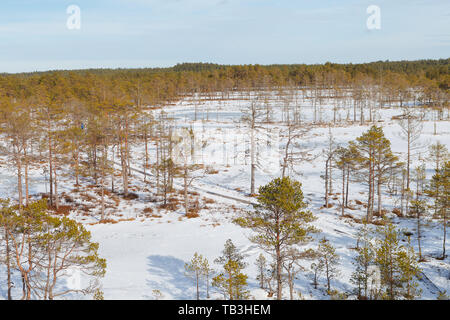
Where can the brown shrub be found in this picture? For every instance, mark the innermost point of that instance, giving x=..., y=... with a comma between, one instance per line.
x=173, y=200
x=379, y=222
x=106, y=221
x=131, y=196
x=106, y=192
x=148, y=210
x=208, y=201
x=171, y=206
x=192, y=214
x=212, y=171
x=397, y=212
x=62, y=210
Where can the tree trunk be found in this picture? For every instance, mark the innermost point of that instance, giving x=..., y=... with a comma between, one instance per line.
x=346, y=191
x=253, y=165
x=326, y=183
x=279, y=262
x=8, y=265
x=418, y=234
x=56, y=191
x=19, y=177
x=185, y=191
x=50, y=162
x=379, y=196
x=27, y=192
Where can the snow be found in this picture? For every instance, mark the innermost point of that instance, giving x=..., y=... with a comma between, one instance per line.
x=147, y=253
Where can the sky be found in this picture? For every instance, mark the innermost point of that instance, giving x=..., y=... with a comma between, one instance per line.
x=34, y=35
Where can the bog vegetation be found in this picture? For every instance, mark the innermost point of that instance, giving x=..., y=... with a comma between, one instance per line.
x=77, y=123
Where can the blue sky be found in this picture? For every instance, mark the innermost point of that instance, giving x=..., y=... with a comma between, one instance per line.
x=149, y=33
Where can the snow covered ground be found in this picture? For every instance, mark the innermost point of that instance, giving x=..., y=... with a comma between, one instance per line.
x=147, y=252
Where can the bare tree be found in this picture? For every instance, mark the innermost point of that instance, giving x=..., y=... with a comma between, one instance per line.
x=411, y=124
x=294, y=152
x=252, y=116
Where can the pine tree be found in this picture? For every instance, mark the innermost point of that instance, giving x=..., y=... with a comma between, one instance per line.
x=316, y=268
x=438, y=153
x=279, y=220
x=375, y=158
x=261, y=264
x=397, y=263
x=418, y=208
x=207, y=272
x=328, y=261
x=231, y=281
x=362, y=262
x=439, y=190
x=410, y=272
x=387, y=249
x=195, y=270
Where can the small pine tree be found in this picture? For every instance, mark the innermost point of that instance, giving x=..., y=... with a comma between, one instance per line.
x=317, y=270
x=362, y=262
x=194, y=269
x=207, y=271
x=398, y=265
x=231, y=281
x=231, y=253
x=386, y=258
x=280, y=220
x=261, y=264
x=443, y=296
x=418, y=208
x=410, y=271
x=98, y=295
x=328, y=261
x=439, y=190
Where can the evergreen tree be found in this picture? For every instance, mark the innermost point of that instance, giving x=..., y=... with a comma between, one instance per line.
x=408, y=263
x=328, y=261
x=231, y=281
x=279, y=220
x=261, y=264
x=418, y=208
x=375, y=158
x=207, y=272
x=195, y=270
x=365, y=258
x=398, y=264
x=439, y=190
